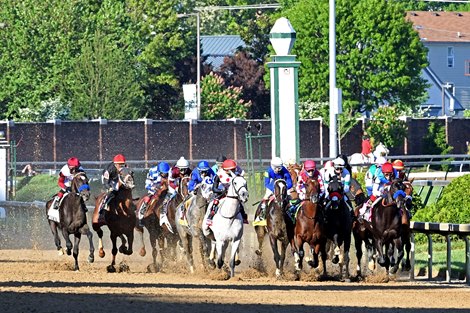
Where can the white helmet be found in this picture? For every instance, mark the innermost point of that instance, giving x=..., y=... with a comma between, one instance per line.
x=338, y=162
x=276, y=162
x=380, y=161
x=182, y=163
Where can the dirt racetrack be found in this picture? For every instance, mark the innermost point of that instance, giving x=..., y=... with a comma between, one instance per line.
x=42, y=281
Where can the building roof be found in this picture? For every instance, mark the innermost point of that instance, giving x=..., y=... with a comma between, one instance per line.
x=215, y=48
x=437, y=26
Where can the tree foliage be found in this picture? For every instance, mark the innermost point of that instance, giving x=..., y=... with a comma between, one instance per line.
x=220, y=102
x=243, y=71
x=386, y=127
x=379, y=55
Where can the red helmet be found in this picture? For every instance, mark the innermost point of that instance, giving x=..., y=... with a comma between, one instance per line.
x=398, y=165
x=73, y=162
x=229, y=164
x=119, y=159
x=310, y=165
x=387, y=168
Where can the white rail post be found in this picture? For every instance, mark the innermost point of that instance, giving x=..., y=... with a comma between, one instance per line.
x=4, y=146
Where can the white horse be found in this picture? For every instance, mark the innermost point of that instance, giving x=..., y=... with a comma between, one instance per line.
x=227, y=223
x=358, y=159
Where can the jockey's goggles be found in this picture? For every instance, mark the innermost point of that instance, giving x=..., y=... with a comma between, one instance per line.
x=204, y=173
x=277, y=169
x=338, y=167
x=164, y=175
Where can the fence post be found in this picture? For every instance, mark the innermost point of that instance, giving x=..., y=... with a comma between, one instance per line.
x=412, y=255
x=449, y=256
x=429, y=256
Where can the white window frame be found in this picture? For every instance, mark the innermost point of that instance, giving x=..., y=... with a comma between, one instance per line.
x=450, y=57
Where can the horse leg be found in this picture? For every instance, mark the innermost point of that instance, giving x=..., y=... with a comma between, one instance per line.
x=337, y=250
x=140, y=232
x=55, y=233
x=358, y=246
x=78, y=236
x=153, y=242
x=114, y=250
x=86, y=231
x=380, y=255
x=299, y=253
x=399, y=246
x=284, y=245
x=187, y=242
x=99, y=231
x=221, y=247
x=122, y=247
x=68, y=243
x=130, y=239
x=323, y=256
x=260, y=233
x=277, y=257
x=212, y=254
x=235, y=245
x=346, y=247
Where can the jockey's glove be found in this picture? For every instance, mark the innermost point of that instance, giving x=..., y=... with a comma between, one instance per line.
x=110, y=189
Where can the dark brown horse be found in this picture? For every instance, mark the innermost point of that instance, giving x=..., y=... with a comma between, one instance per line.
x=361, y=233
x=72, y=217
x=171, y=236
x=150, y=221
x=338, y=225
x=309, y=228
x=279, y=226
x=120, y=218
x=386, y=226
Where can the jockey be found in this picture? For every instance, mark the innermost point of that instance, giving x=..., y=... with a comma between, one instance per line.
x=366, y=146
x=343, y=176
x=198, y=174
x=110, y=179
x=177, y=172
x=309, y=171
x=153, y=183
x=372, y=173
x=384, y=176
x=222, y=180
x=326, y=167
x=66, y=174
x=399, y=167
x=346, y=162
x=276, y=171
x=218, y=163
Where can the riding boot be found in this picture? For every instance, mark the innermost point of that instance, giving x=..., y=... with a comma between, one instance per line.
x=55, y=203
x=214, y=208
x=244, y=215
x=142, y=210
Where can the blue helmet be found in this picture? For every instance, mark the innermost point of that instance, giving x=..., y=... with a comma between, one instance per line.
x=203, y=166
x=163, y=167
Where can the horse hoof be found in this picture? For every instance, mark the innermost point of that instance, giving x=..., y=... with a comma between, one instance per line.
x=258, y=253
x=142, y=252
x=152, y=268
x=312, y=264
x=61, y=251
x=69, y=251
x=335, y=260
x=101, y=253
x=238, y=262
x=111, y=269
x=212, y=264
x=91, y=259
x=122, y=249
x=128, y=252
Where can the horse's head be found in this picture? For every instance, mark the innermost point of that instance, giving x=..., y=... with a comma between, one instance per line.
x=397, y=193
x=205, y=188
x=80, y=185
x=126, y=178
x=335, y=191
x=238, y=188
x=312, y=190
x=280, y=191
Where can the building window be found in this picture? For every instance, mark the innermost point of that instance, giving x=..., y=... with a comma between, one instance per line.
x=450, y=56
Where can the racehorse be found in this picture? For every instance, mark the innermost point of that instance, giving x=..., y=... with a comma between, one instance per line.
x=72, y=218
x=227, y=223
x=386, y=226
x=193, y=211
x=150, y=220
x=279, y=225
x=406, y=231
x=309, y=228
x=361, y=234
x=358, y=160
x=120, y=218
x=338, y=224
x=171, y=235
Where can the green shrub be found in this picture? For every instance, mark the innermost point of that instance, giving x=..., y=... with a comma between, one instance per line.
x=435, y=142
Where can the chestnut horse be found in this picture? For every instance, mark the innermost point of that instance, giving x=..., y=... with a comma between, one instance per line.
x=309, y=228
x=120, y=218
x=150, y=221
x=72, y=217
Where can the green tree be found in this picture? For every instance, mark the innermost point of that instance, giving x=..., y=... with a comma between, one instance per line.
x=379, y=55
x=385, y=127
x=105, y=83
x=221, y=102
